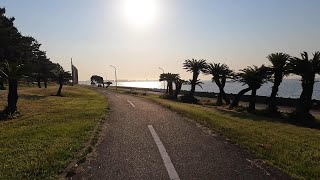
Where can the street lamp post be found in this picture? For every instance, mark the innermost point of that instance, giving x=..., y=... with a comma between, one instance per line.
x=164, y=83
x=115, y=75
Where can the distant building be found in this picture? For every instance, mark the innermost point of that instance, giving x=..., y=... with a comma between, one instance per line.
x=74, y=71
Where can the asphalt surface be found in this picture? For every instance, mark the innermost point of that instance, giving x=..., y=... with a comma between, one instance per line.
x=129, y=150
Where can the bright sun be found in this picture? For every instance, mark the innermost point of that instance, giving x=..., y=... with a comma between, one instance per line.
x=140, y=13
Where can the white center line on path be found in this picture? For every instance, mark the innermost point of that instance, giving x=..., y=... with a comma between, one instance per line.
x=131, y=104
x=165, y=157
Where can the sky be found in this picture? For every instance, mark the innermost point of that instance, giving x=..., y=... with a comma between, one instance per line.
x=138, y=36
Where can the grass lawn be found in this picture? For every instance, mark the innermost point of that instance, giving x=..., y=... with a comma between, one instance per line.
x=295, y=150
x=50, y=131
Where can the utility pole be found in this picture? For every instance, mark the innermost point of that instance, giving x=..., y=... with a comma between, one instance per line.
x=115, y=75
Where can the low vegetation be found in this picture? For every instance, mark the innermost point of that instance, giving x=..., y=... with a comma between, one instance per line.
x=293, y=149
x=50, y=130
x=253, y=77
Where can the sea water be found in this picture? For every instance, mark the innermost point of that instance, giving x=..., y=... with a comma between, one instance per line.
x=289, y=88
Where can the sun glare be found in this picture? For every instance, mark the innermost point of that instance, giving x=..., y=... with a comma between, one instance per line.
x=140, y=13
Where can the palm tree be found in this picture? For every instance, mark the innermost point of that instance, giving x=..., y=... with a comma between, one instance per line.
x=170, y=78
x=220, y=73
x=254, y=77
x=194, y=66
x=307, y=69
x=178, y=83
x=279, y=69
x=12, y=72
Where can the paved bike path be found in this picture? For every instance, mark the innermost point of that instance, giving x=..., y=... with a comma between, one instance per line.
x=176, y=148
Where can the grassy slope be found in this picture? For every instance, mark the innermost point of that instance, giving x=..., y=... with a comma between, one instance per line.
x=293, y=149
x=41, y=142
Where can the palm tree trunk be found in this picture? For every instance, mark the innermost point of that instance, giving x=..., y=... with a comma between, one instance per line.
x=193, y=83
x=167, y=90
x=219, y=99
x=305, y=101
x=236, y=100
x=170, y=88
x=12, y=96
x=178, y=89
x=273, y=100
x=252, y=103
x=193, y=89
x=224, y=96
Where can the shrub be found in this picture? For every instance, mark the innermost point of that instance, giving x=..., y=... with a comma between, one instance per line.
x=189, y=99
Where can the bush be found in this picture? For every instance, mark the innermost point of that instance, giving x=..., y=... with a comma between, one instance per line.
x=297, y=118
x=167, y=96
x=132, y=92
x=189, y=99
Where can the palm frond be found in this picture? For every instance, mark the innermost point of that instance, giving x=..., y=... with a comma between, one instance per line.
x=254, y=76
x=194, y=65
x=302, y=66
x=169, y=77
x=11, y=70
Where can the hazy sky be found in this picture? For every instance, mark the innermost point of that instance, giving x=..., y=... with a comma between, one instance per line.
x=138, y=36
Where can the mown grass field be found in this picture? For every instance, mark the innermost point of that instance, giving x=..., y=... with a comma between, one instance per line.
x=293, y=149
x=50, y=131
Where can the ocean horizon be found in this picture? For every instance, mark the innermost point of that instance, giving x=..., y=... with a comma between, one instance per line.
x=289, y=88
